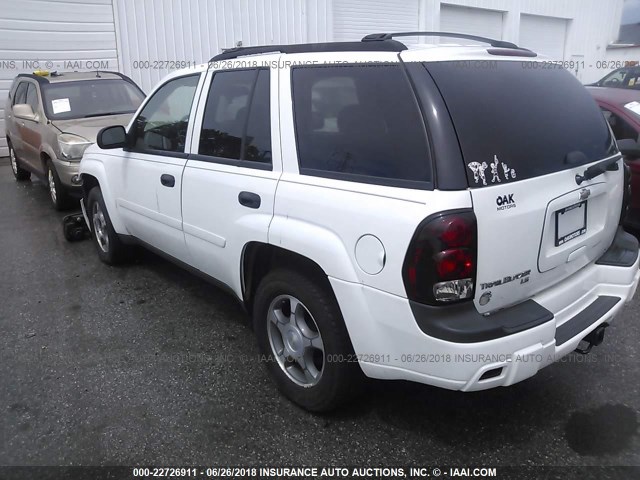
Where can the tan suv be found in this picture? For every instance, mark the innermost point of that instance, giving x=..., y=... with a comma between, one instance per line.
x=52, y=118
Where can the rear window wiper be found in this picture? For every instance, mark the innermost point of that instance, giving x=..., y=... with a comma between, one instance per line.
x=593, y=171
x=107, y=113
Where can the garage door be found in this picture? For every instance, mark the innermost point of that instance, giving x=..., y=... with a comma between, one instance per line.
x=474, y=21
x=53, y=35
x=353, y=19
x=544, y=35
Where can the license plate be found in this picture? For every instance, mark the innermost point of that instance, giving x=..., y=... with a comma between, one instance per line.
x=571, y=222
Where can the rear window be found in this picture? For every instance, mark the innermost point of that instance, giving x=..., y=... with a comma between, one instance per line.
x=360, y=123
x=514, y=122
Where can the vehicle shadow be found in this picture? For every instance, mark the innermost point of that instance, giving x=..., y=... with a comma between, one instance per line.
x=488, y=417
x=193, y=285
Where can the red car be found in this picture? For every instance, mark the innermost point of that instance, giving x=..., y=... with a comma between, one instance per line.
x=621, y=108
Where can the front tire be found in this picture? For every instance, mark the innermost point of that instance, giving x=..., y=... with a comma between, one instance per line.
x=110, y=248
x=20, y=173
x=57, y=191
x=302, y=335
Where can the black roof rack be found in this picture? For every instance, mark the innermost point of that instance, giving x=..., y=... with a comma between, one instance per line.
x=381, y=37
x=376, y=42
x=390, y=46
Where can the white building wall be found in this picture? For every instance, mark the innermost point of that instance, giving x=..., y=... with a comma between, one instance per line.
x=195, y=30
x=617, y=57
x=48, y=33
x=591, y=25
x=151, y=32
x=353, y=19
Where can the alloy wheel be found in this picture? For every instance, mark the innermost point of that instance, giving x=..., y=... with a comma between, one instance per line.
x=295, y=340
x=100, y=227
x=14, y=162
x=52, y=186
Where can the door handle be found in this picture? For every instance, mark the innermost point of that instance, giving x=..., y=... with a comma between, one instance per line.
x=249, y=199
x=167, y=180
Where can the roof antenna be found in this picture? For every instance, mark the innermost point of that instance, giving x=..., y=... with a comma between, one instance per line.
x=98, y=74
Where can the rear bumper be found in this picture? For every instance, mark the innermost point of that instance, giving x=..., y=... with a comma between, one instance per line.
x=389, y=343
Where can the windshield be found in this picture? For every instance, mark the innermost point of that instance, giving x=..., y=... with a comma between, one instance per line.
x=90, y=98
x=520, y=122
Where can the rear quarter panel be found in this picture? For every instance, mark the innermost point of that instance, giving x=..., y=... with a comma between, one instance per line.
x=323, y=219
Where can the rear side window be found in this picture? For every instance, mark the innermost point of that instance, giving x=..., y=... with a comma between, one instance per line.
x=515, y=122
x=360, y=123
x=257, y=140
x=236, y=123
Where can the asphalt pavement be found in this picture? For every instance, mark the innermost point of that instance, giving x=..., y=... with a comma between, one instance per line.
x=148, y=364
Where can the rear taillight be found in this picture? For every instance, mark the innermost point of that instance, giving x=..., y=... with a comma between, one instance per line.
x=440, y=266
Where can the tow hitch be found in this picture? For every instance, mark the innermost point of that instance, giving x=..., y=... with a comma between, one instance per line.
x=594, y=339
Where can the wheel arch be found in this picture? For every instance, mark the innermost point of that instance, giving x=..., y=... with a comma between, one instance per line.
x=259, y=258
x=45, y=156
x=93, y=174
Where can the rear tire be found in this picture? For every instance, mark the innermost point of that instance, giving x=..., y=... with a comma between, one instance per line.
x=110, y=248
x=20, y=173
x=302, y=335
x=57, y=191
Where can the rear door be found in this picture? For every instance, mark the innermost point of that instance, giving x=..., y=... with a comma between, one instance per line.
x=230, y=179
x=527, y=133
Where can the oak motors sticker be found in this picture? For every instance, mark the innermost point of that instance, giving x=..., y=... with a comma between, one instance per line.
x=505, y=202
x=522, y=276
x=497, y=169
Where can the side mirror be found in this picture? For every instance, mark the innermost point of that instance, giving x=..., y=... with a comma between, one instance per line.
x=24, y=111
x=112, y=137
x=629, y=148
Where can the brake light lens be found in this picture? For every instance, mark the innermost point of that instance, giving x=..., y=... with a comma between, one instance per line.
x=440, y=266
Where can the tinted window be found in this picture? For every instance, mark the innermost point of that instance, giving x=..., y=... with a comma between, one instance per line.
x=236, y=123
x=32, y=97
x=90, y=98
x=359, y=120
x=529, y=119
x=21, y=93
x=162, y=123
x=257, y=146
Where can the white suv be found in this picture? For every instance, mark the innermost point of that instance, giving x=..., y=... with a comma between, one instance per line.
x=442, y=214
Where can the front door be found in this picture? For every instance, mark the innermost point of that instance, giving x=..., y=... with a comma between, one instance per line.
x=152, y=167
x=28, y=132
